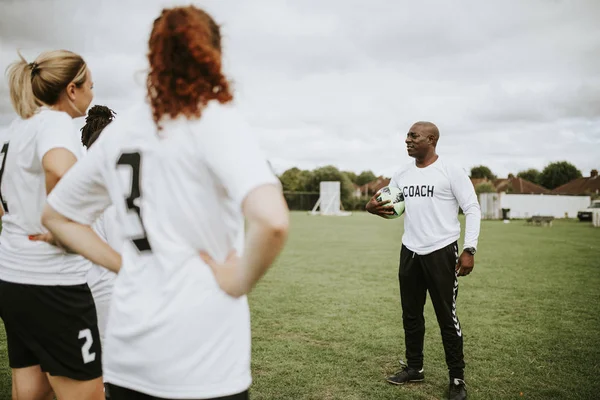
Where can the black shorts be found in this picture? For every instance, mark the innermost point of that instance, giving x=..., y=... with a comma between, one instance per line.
x=54, y=327
x=120, y=393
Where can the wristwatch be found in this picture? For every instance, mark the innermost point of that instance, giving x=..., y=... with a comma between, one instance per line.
x=470, y=250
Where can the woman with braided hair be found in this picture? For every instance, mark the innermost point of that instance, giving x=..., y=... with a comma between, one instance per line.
x=97, y=119
x=101, y=280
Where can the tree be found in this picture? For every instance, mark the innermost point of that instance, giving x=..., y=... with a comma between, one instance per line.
x=295, y=180
x=558, y=173
x=531, y=175
x=330, y=173
x=353, y=177
x=482, y=171
x=365, y=177
x=484, y=187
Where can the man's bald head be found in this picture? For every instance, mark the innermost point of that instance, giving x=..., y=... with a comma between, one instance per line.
x=429, y=129
x=421, y=140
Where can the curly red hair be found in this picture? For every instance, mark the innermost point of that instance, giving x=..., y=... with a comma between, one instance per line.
x=185, y=64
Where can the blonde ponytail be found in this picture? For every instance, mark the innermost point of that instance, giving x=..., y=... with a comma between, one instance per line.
x=20, y=75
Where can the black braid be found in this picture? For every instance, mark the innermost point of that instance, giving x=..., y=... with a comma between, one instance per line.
x=97, y=119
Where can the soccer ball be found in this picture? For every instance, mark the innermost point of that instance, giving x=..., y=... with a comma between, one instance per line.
x=396, y=198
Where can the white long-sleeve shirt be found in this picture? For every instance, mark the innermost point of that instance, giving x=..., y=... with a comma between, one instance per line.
x=432, y=196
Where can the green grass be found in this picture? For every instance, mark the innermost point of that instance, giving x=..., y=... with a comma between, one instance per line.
x=327, y=321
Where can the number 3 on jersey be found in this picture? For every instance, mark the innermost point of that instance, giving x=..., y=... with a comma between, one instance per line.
x=134, y=160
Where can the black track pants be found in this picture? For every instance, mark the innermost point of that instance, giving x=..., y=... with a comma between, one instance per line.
x=434, y=272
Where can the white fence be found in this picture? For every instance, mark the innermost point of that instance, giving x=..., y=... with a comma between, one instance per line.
x=527, y=205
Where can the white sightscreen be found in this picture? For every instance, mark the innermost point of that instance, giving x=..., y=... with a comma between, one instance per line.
x=329, y=193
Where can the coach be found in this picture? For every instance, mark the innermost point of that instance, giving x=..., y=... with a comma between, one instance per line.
x=433, y=190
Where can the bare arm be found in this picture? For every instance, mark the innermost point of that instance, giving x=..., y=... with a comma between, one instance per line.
x=268, y=221
x=268, y=224
x=80, y=239
x=56, y=163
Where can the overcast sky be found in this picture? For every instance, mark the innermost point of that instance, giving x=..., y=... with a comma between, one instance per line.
x=512, y=84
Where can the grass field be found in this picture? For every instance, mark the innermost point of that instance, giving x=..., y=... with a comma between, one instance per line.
x=327, y=322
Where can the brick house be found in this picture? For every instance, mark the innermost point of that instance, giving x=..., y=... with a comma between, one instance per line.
x=589, y=186
x=516, y=185
x=513, y=185
x=369, y=189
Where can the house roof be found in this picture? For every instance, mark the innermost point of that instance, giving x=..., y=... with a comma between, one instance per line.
x=516, y=185
x=512, y=185
x=378, y=183
x=477, y=181
x=581, y=186
x=375, y=185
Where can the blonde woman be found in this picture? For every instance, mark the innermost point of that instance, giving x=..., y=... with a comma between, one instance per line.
x=45, y=303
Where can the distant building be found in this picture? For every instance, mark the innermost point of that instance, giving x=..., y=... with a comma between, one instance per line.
x=581, y=186
x=478, y=181
x=525, y=199
x=369, y=189
x=374, y=186
x=516, y=185
x=513, y=185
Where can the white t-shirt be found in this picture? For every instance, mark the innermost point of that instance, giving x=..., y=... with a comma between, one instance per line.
x=432, y=196
x=172, y=332
x=99, y=279
x=23, y=190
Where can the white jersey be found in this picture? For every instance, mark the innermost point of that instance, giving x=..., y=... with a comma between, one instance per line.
x=99, y=279
x=23, y=194
x=432, y=196
x=172, y=332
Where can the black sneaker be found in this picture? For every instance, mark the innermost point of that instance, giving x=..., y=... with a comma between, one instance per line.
x=406, y=375
x=457, y=390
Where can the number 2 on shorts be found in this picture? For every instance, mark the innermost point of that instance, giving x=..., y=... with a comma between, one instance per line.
x=85, y=349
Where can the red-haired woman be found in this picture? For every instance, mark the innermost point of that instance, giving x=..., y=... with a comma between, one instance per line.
x=183, y=171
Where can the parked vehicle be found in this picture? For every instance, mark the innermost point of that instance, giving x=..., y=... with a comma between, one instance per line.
x=586, y=215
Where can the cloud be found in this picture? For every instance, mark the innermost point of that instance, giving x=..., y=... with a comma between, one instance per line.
x=511, y=84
